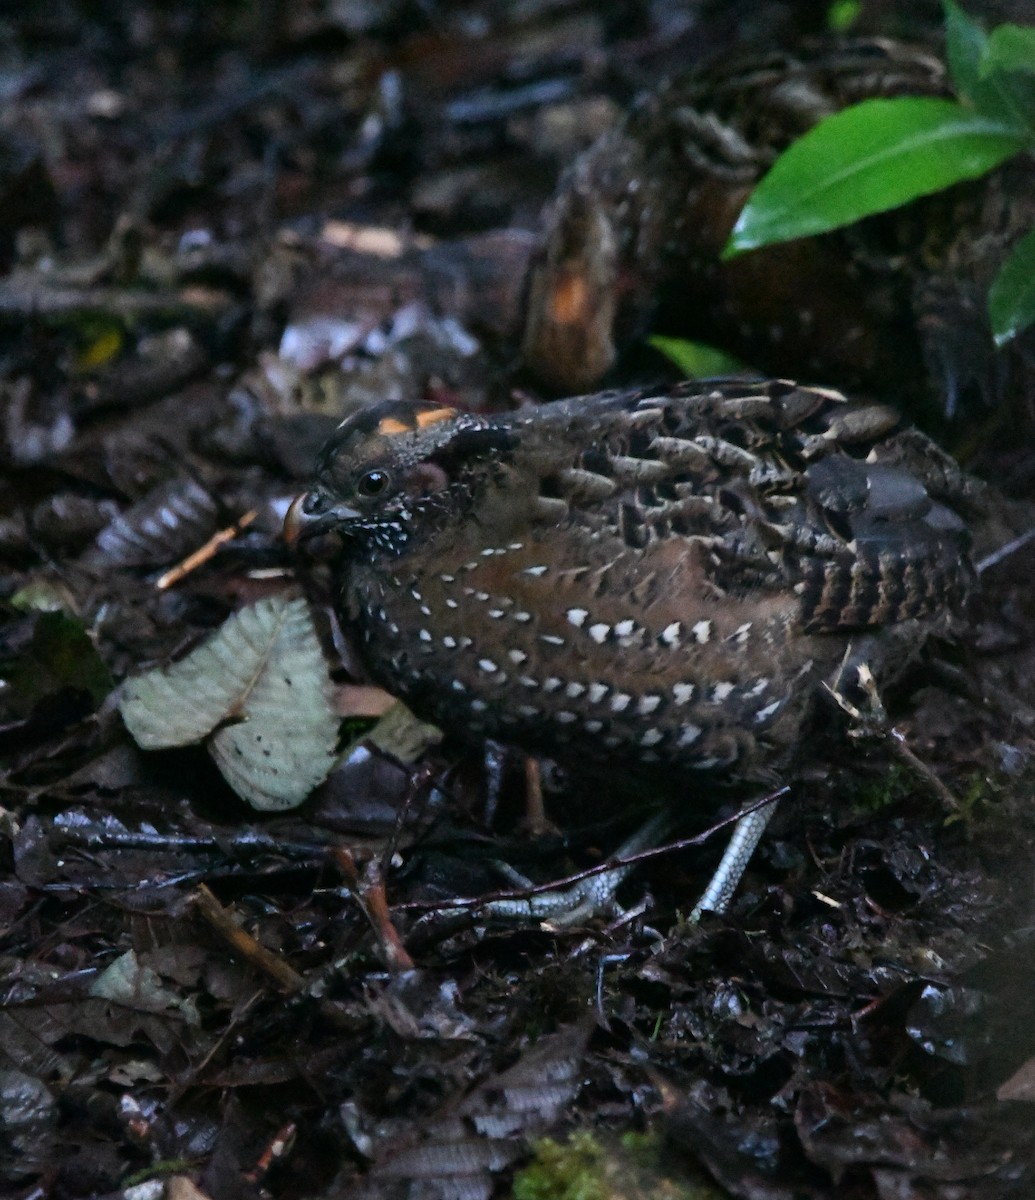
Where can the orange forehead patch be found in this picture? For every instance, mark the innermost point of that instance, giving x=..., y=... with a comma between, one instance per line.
x=390, y=425
x=569, y=300
x=433, y=416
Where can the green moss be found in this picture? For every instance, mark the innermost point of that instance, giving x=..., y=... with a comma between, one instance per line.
x=572, y=1171
x=874, y=795
x=979, y=791
x=585, y=1168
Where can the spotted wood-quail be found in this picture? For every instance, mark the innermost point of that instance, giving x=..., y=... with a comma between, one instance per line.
x=632, y=239
x=641, y=579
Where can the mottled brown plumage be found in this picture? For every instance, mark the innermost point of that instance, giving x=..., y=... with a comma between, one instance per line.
x=643, y=577
x=895, y=304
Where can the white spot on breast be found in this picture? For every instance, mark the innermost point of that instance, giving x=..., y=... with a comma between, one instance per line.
x=703, y=631
x=759, y=687
x=449, y=642
x=564, y=717
x=465, y=641
x=527, y=681
x=551, y=639
x=517, y=657
x=481, y=595
x=416, y=595
x=593, y=726
x=488, y=666
x=528, y=710
x=478, y=706
x=620, y=701
x=457, y=686
x=740, y=634
x=516, y=546
x=682, y=693
x=599, y=633
x=670, y=634
x=577, y=616
x=597, y=691
x=574, y=690
x=625, y=628
x=393, y=627
x=764, y=714
x=551, y=684
x=651, y=737
x=537, y=570
x=647, y=704
x=688, y=735
x=471, y=566
x=522, y=616
x=424, y=635
x=451, y=603
x=425, y=611
x=448, y=578
x=722, y=691
x=495, y=613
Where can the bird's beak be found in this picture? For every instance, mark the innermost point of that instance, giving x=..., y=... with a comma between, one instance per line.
x=312, y=514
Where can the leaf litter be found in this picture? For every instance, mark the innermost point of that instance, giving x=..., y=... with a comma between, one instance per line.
x=856, y=1026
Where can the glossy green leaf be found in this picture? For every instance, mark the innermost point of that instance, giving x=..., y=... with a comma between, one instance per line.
x=965, y=42
x=1008, y=48
x=1011, y=298
x=696, y=360
x=866, y=159
x=981, y=67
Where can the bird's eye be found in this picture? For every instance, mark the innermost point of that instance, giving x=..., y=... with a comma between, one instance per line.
x=373, y=483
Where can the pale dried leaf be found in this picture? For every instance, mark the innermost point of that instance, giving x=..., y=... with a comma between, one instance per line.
x=1020, y=1086
x=133, y=984
x=261, y=684
x=402, y=735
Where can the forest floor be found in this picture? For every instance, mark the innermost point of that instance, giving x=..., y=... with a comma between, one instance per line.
x=221, y=228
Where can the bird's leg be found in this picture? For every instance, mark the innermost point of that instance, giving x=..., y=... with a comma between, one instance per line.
x=587, y=897
x=595, y=893
x=746, y=835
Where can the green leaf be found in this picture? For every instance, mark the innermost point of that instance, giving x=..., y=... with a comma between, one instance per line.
x=965, y=42
x=696, y=360
x=842, y=15
x=1011, y=298
x=981, y=68
x=59, y=656
x=259, y=686
x=1008, y=48
x=866, y=159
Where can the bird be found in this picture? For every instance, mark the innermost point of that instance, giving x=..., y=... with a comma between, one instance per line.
x=894, y=305
x=654, y=581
